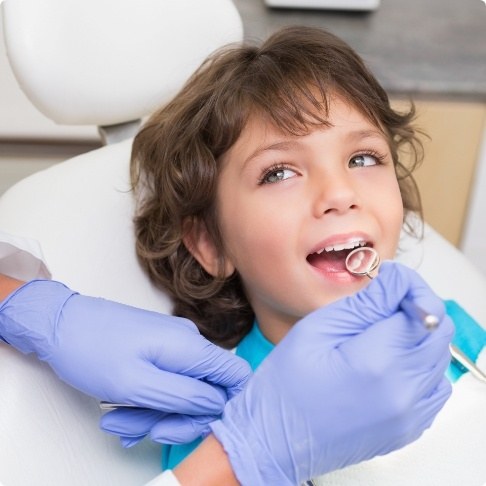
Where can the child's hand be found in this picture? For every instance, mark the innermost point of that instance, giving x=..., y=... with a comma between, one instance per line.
x=350, y=381
x=125, y=355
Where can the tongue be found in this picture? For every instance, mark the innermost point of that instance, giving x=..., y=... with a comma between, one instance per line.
x=333, y=261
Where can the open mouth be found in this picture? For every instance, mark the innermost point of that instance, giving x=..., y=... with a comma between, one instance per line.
x=332, y=259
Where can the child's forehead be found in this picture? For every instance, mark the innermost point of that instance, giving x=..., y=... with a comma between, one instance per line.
x=282, y=123
x=262, y=133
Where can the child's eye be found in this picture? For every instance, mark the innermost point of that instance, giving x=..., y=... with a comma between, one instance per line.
x=364, y=160
x=276, y=174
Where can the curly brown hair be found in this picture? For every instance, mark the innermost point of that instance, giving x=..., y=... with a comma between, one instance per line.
x=289, y=79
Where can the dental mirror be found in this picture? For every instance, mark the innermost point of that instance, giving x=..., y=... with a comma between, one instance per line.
x=362, y=261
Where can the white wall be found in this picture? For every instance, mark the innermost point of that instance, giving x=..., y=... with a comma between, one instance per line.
x=474, y=235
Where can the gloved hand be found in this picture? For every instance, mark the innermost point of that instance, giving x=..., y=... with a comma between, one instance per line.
x=132, y=425
x=125, y=355
x=352, y=380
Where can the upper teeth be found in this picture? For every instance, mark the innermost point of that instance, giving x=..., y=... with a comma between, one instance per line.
x=343, y=246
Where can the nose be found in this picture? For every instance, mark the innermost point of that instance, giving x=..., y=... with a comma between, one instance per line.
x=335, y=193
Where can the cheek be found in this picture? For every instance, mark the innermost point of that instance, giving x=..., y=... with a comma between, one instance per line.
x=397, y=205
x=392, y=216
x=256, y=233
x=244, y=214
x=392, y=203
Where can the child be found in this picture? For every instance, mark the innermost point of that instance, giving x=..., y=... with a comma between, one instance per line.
x=257, y=180
x=237, y=124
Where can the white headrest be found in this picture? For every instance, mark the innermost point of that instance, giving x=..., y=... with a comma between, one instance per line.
x=104, y=62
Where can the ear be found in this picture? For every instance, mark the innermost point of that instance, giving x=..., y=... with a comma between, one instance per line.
x=201, y=246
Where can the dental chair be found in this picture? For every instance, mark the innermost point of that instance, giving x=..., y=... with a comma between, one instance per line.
x=107, y=63
x=110, y=63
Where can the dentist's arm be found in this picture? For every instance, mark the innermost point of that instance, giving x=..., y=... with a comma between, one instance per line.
x=159, y=362
x=7, y=286
x=232, y=372
x=351, y=381
x=352, y=403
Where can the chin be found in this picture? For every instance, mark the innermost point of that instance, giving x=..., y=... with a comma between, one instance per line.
x=359, y=284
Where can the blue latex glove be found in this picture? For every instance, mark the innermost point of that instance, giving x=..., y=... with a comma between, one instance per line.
x=350, y=381
x=125, y=355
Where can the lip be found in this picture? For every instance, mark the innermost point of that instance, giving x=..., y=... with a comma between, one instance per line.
x=340, y=239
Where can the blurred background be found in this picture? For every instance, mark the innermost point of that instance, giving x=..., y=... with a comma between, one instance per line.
x=432, y=52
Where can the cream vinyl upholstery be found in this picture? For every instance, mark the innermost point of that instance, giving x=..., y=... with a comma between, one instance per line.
x=49, y=432
x=107, y=63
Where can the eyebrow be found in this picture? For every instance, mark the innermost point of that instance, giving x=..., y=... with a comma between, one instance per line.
x=355, y=135
x=280, y=145
x=363, y=134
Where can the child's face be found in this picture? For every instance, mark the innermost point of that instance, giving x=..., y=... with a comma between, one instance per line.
x=282, y=199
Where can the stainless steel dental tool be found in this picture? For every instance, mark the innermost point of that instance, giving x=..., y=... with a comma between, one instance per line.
x=112, y=406
x=363, y=261
x=462, y=359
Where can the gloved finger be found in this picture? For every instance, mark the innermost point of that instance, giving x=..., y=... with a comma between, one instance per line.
x=435, y=345
x=180, y=429
x=427, y=382
x=383, y=296
x=209, y=363
x=133, y=424
x=128, y=442
x=223, y=368
x=130, y=422
x=425, y=301
x=422, y=415
x=395, y=337
x=227, y=370
x=352, y=315
x=156, y=389
x=438, y=398
x=404, y=355
x=428, y=408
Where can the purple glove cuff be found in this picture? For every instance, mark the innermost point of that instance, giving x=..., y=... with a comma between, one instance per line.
x=29, y=315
